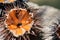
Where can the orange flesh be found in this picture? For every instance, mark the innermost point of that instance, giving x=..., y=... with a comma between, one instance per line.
x=11, y=0
x=22, y=17
x=19, y=31
x=12, y=27
x=27, y=27
x=2, y=1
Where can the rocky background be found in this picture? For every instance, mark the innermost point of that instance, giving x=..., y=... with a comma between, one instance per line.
x=54, y=3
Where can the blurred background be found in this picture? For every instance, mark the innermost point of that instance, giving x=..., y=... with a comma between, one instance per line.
x=54, y=3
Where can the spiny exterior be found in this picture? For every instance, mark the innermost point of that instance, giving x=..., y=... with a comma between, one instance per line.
x=11, y=27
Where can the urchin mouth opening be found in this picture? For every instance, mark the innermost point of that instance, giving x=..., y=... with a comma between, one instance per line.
x=19, y=24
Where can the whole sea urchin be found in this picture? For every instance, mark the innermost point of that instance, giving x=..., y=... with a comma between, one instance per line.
x=18, y=23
